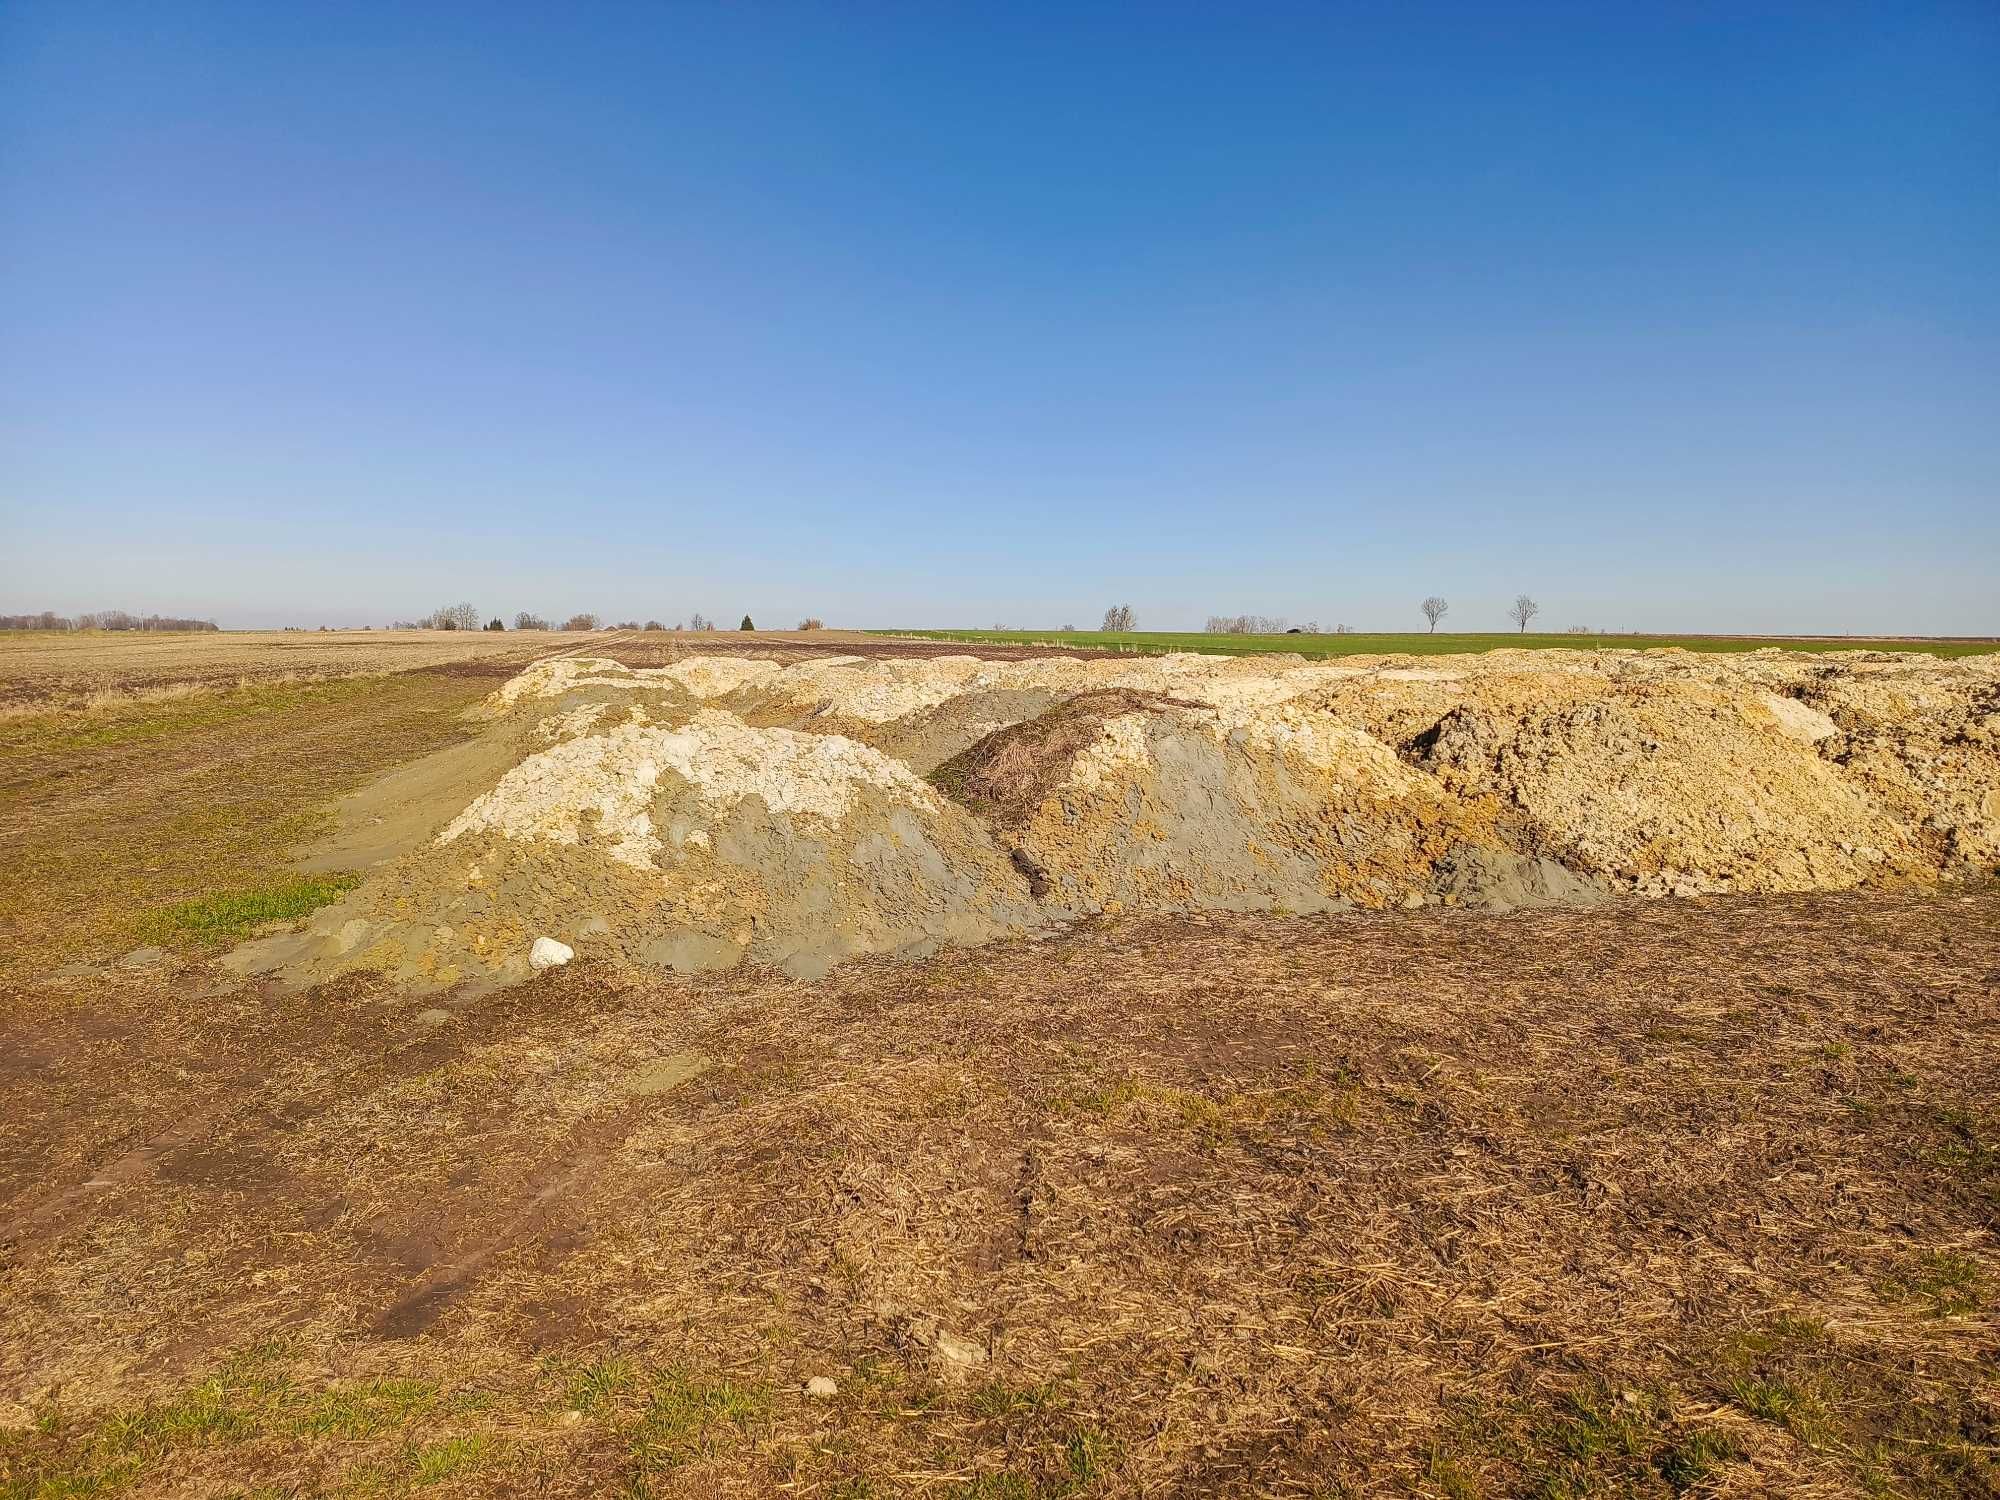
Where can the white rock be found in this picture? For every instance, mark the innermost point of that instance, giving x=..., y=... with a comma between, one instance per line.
x=958, y=1351
x=549, y=954
x=820, y=1388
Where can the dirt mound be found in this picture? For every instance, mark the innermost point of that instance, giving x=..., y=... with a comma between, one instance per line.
x=1124, y=800
x=717, y=808
x=687, y=847
x=1670, y=789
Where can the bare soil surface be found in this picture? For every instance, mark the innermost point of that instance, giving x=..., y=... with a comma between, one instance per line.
x=1660, y=1196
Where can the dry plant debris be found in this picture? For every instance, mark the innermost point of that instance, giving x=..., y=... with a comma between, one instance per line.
x=1652, y=1198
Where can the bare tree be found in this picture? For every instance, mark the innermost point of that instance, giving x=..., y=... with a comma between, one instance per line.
x=812, y=622
x=1523, y=610
x=110, y=619
x=1248, y=625
x=699, y=621
x=526, y=621
x=1435, y=609
x=460, y=616
x=584, y=621
x=1119, y=618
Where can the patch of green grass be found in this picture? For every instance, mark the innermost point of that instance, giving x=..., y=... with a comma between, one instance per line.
x=1595, y=1440
x=1784, y=1333
x=61, y=731
x=592, y=1388
x=1453, y=1480
x=1780, y=1368
x=1784, y=1402
x=1696, y=1457
x=362, y=1411
x=1593, y=1424
x=998, y=1399
x=1001, y=1486
x=231, y=916
x=1086, y=1453
x=689, y=1415
x=434, y=1463
x=248, y=1400
x=1050, y=1454
x=1949, y=1284
x=1412, y=643
x=1896, y=1431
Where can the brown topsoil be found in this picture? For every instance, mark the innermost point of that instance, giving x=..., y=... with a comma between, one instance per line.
x=1009, y=773
x=1427, y=1203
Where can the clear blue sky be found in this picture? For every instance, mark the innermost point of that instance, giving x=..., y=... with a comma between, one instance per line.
x=1675, y=316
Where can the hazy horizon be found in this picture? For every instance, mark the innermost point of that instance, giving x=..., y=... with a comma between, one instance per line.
x=1677, y=321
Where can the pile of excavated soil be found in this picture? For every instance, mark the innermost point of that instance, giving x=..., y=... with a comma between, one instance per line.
x=722, y=808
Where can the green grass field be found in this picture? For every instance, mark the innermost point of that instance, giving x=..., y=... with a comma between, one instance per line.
x=1159, y=642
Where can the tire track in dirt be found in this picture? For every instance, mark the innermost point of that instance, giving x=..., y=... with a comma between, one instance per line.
x=227, y=1140
x=135, y=1164
x=414, y=1313
x=245, y=1101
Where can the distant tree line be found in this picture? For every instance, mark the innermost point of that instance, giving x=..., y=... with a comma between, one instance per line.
x=1120, y=618
x=108, y=619
x=1250, y=625
x=463, y=616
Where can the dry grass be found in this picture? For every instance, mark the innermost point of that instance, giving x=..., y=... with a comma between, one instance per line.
x=42, y=671
x=1683, y=1196
x=113, y=819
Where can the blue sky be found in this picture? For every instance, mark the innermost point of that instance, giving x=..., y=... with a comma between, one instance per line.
x=1675, y=316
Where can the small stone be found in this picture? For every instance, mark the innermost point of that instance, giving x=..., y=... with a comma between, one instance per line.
x=547, y=953
x=571, y=1417
x=142, y=958
x=821, y=1389
x=958, y=1351
x=432, y=1017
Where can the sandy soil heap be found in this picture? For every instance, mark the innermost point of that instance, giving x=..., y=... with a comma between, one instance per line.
x=722, y=807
